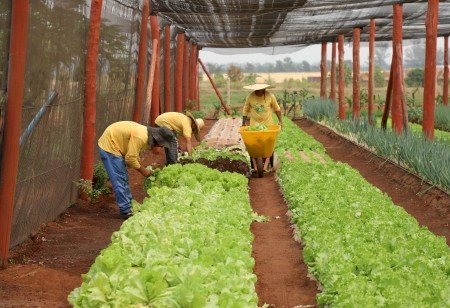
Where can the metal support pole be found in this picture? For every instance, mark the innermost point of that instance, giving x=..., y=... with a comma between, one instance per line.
x=142, y=60
x=224, y=105
x=178, y=78
x=371, y=84
x=341, y=77
x=356, y=73
x=323, y=71
x=87, y=154
x=167, y=60
x=445, y=86
x=429, y=94
x=397, y=81
x=13, y=119
x=155, y=109
x=333, y=72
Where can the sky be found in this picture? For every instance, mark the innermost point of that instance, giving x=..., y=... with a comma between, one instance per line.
x=311, y=54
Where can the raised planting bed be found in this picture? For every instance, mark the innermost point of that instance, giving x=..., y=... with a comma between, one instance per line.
x=364, y=250
x=188, y=245
x=232, y=159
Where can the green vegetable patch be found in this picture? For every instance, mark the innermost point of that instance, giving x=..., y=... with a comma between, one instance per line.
x=187, y=245
x=364, y=250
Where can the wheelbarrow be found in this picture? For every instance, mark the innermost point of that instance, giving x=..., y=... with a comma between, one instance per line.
x=260, y=145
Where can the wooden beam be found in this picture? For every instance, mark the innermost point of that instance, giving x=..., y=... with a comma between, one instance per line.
x=167, y=73
x=387, y=103
x=142, y=60
x=341, y=93
x=155, y=109
x=333, y=72
x=356, y=72
x=224, y=105
x=371, y=85
x=90, y=92
x=13, y=120
x=187, y=50
x=178, y=78
x=397, y=82
x=323, y=71
x=150, y=82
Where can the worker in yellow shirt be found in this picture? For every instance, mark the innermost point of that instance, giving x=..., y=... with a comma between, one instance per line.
x=183, y=125
x=120, y=145
x=260, y=104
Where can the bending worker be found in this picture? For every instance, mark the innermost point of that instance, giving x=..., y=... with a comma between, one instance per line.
x=120, y=145
x=182, y=125
x=259, y=105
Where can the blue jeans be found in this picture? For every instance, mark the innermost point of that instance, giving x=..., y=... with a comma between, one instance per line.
x=118, y=175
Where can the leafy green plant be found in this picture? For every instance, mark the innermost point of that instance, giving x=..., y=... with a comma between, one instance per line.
x=414, y=78
x=96, y=188
x=319, y=109
x=188, y=245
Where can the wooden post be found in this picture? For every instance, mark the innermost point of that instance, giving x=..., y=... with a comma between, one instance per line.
x=87, y=154
x=178, y=78
x=197, y=85
x=445, y=86
x=13, y=119
x=341, y=77
x=323, y=71
x=142, y=60
x=356, y=73
x=150, y=81
x=333, y=72
x=224, y=105
x=155, y=110
x=387, y=104
x=397, y=81
x=371, y=85
x=167, y=60
x=429, y=94
x=192, y=66
x=187, y=49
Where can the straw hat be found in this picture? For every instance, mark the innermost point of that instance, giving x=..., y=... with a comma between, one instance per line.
x=198, y=125
x=260, y=84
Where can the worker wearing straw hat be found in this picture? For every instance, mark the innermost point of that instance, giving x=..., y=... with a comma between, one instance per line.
x=260, y=103
x=183, y=125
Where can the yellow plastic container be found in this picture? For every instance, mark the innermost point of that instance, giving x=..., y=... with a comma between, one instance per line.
x=260, y=143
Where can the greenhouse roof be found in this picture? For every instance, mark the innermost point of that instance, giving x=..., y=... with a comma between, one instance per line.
x=262, y=23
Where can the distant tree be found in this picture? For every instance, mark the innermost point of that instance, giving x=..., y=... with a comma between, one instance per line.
x=214, y=68
x=288, y=64
x=279, y=66
x=250, y=78
x=250, y=68
x=415, y=78
x=380, y=56
x=235, y=73
x=306, y=67
x=379, y=77
x=219, y=80
x=415, y=55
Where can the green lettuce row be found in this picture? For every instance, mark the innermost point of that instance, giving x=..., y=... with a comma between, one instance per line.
x=188, y=245
x=364, y=250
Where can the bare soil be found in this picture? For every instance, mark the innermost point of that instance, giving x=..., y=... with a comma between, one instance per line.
x=430, y=206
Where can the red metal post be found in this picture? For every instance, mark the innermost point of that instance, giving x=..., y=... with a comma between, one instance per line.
x=397, y=81
x=178, y=78
x=333, y=72
x=356, y=72
x=142, y=60
x=197, y=88
x=323, y=71
x=154, y=113
x=341, y=78
x=371, y=71
x=429, y=94
x=192, y=67
x=167, y=60
x=224, y=105
x=87, y=154
x=187, y=50
x=13, y=119
x=445, y=86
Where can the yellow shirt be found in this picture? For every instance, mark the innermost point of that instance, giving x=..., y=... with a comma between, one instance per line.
x=126, y=139
x=178, y=122
x=259, y=108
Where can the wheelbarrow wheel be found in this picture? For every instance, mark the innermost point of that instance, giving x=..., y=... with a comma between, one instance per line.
x=260, y=166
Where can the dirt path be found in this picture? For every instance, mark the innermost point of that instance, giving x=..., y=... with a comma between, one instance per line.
x=279, y=266
x=431, y=209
